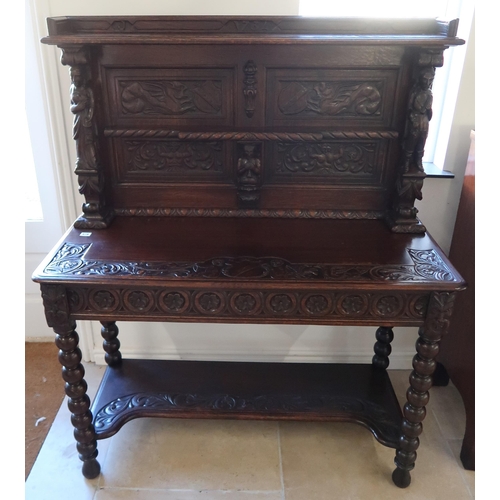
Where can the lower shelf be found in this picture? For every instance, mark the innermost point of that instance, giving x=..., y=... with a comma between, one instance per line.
x=272, y=391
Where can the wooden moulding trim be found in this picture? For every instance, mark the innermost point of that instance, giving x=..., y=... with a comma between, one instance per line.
x=236, y=39
x=274, y=27
x=254, y=136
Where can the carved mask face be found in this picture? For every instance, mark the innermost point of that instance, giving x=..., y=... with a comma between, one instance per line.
x=426, y=79
x=76, y=76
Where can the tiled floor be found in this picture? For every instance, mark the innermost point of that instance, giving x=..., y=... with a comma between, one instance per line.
x=171, y=459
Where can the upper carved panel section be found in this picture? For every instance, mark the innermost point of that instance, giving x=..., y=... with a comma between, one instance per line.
x=330, y=98
x=427, y=266
x=314, y=96
x=171, y=97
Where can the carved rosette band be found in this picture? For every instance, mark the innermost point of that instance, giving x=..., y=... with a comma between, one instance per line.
x=57, y=312
x=436, y=325
x=88, y=168
x=403, y=216
x=248, y=304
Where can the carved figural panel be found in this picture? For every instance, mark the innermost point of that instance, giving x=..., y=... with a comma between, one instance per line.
x=170, y=93
x=333, y=161
x=164, y=159
x=324, y=95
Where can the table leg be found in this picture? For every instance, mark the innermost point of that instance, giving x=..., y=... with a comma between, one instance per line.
x=424, y=364
x=111, y=344
x=58, y=317
x=382, y=348
x=73, y=372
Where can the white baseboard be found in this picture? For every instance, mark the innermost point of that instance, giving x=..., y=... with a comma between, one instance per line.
x=398, y=361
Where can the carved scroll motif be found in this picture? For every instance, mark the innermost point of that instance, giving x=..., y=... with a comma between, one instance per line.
x=403, y=217
x=169, y=97
x=249, y=87
x=173, y=156
x=88, y=167
x=330, y=98
x=249, y=174
x=325, y=158
x=427, y=266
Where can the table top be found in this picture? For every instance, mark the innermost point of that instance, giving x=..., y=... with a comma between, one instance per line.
x=268, y=251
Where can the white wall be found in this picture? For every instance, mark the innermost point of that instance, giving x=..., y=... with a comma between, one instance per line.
x=247, y=342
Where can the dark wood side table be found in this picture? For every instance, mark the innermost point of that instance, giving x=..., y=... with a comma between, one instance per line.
x=250, y=170
x=457, y=354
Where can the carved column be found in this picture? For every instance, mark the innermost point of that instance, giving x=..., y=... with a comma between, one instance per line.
x=88, y=168
x=249, y=174
x=58, y=317
x=411, y=175
x=382, y=348
x=424, y=364
x=111, y=344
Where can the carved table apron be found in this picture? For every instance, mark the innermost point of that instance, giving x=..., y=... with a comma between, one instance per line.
x=250, y=170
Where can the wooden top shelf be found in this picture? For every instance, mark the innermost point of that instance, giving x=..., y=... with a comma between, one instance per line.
x=269, y=251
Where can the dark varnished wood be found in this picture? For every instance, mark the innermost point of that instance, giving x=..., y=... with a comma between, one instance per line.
x=277, y=391
x=457, y=352
x=250, y=170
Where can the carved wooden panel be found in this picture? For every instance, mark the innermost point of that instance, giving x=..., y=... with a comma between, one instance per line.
x=170, y=160
x=180, y=95
x=318, y=96
x=330, y=162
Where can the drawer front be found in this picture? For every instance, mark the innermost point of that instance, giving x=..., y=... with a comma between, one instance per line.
x=329, y=98
x=327, y=162
x=171, y=160
x=169, y=97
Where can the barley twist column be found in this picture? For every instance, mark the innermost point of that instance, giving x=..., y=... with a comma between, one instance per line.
x=424, y=364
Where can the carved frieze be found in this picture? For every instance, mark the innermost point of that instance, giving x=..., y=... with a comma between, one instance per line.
x=173, y=156
x=427, y=266
x=171, y=97
x=189, y=303
x=330, y=98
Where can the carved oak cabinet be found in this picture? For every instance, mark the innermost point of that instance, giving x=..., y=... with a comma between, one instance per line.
x=250, y=170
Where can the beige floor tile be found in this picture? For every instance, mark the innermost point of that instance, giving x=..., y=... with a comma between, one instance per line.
x=194, y=455
x=468, y=475
x=339, y=460
x=134, y=494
